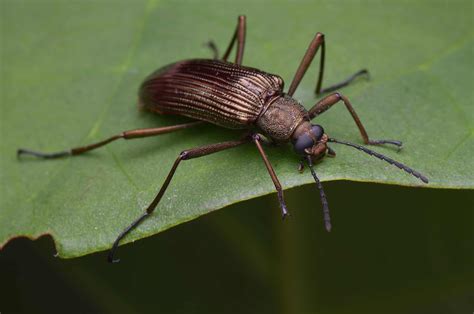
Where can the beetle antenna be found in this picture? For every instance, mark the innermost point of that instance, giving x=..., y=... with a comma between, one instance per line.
x=385, y=158
x=327, y=217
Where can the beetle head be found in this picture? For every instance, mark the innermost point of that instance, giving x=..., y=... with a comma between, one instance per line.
x=310, y=139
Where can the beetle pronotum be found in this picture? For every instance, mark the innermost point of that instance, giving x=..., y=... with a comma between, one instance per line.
x=238, y=97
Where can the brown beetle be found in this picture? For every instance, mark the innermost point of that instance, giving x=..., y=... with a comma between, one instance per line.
x=238, y=97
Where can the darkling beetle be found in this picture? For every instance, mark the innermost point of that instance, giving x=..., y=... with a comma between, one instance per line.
x=238, y=97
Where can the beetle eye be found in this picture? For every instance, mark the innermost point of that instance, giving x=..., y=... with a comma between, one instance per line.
x=317, y=130
x=302, y=142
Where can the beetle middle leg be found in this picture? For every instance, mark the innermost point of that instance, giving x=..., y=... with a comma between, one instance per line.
x=330, y=100
x=184, y=155
x=318, y=41
x=195, y=153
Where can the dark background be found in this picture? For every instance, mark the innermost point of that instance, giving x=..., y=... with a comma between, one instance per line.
x=392, y=250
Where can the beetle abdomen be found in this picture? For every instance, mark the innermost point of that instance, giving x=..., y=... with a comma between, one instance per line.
x=219, y=92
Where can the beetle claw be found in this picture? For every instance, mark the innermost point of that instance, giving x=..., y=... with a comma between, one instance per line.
x=301, y=167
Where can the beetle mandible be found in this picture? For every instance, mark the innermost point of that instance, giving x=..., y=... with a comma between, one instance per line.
x=238, y=97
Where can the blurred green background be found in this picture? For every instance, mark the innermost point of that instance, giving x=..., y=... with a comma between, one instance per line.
x=415, y=258
x=393, y=249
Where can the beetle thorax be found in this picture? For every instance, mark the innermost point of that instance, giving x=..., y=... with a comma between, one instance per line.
x=281, y=118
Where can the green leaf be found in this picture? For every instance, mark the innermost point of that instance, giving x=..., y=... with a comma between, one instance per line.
x=70, y=72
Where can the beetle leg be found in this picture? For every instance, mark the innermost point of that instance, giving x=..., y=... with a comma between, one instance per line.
x=276, y=182
x=331, y=152
x=330, y=100
x=213, y=47
x=184, y=155
x=132, y=134
x=239, y=36
x=301, y=166
x=308, y=57
x=332, y=88
x=318, y=41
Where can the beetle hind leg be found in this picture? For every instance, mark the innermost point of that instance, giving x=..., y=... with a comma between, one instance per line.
x=127, y=135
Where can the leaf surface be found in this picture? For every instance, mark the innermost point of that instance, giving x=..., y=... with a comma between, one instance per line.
x=70, y=72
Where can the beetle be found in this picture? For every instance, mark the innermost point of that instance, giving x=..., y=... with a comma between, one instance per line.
x=234, y=96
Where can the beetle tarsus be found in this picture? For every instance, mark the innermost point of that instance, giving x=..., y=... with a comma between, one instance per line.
x=349, y=80
x=301, y=167
x=331, y=152
x=213, y=47
x=284, y=210
x=111, y=260
x=22, y=151
x=328, y=226
x=399, y=144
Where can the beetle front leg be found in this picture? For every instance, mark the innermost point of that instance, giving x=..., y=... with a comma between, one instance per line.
x=239, y=36
x=256, y=138
x=328, y=101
